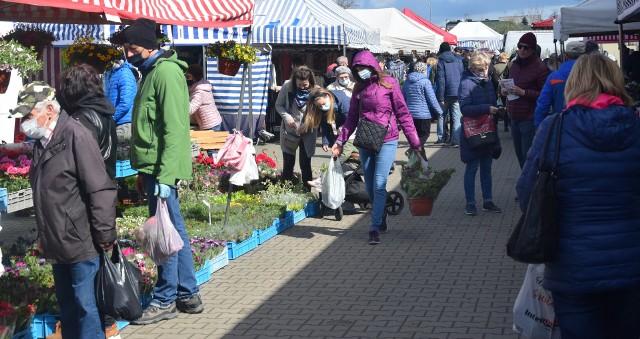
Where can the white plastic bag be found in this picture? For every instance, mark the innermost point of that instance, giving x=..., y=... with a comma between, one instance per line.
x=249, y=170
x=333, y=189
x=533, y=313
x=423, y=166
x=159, y=238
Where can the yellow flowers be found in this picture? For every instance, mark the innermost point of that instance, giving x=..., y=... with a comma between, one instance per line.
x=233, y=51
x=84, y=50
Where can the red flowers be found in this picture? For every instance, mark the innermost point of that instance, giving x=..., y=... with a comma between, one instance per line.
x=263, y=158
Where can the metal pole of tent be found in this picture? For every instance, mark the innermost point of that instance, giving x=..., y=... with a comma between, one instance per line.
x=620, y=46
x=344, y=42
x=250, y=71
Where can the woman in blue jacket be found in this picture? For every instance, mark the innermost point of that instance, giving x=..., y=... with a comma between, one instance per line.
x=329, y=110
x=421, y=100
x=477, y=97
x=595, y=275
x=121, y=87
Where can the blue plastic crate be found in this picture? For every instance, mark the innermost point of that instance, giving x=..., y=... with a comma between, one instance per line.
x=122, y=324
x=204, y=274
x=3, y=199
x=286, y=221
x=123, y=169
x=44, y=324
x=220, y=261
x=28, y=333
x=238, y=249
x=268, y=233
x=298, y=216
x=312, y=208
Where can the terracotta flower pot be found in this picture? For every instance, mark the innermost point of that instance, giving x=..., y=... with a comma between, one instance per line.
x=5, y=78
x=228, y=67
x=421, y=206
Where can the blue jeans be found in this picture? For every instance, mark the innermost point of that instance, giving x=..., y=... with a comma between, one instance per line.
x=176, y=277
x=376, y=171
x=76, y=293
x=602, y=315
x=442, y=125
x=452, y=106
x=522, y=133
x=484, y=162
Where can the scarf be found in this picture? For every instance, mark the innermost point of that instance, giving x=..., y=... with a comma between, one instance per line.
x=302, y=97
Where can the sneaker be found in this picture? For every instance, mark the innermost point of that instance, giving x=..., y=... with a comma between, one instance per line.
x=154, y=314
x=438, y=142
x=112, y=332
x=374, y=239
x=470, y=210
x=191, y=305
x=265, y=135
x=489, y=206
x=454, y=145
x=383, y=226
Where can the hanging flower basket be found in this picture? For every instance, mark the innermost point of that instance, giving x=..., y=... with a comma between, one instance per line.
x=228, y=67
x=5, y=78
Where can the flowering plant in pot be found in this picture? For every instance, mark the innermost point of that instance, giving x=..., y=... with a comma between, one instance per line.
x=421, y=183
x=85, y=50
x=31, y=36
x=231, y=55
x=13, y=55
x=14, y=173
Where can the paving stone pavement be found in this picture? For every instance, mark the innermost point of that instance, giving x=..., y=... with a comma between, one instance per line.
x=441, y=276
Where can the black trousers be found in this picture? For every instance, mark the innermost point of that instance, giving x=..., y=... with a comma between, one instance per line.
x=289, y=162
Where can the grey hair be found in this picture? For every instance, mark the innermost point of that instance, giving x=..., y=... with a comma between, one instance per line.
x=41, y=105
x=420, y=67
x=342, y=61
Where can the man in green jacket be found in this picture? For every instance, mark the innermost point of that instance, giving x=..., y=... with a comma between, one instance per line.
x=160, y=151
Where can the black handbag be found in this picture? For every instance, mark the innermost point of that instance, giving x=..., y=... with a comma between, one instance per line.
x=370, y=135
x=535, y=237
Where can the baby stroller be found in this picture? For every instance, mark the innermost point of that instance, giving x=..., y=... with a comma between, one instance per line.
x=356, y=191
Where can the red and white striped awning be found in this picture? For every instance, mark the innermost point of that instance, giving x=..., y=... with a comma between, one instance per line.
x=194, y=13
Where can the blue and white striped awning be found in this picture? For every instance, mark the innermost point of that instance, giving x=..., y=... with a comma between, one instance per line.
x=309, y=22
x=490, y=44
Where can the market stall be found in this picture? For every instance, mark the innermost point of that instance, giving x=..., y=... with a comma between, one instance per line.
x=475, y=34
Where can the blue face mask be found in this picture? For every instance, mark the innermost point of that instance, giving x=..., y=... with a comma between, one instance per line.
x=364, y=74
x=326, y=106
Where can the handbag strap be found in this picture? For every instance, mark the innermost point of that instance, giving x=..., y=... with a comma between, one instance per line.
x=556, y=118
x=557, y=155
x=360, y=111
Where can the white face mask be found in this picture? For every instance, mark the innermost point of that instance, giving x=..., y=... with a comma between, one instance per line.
x=364, y=74
x=326, y=106
x=31, y=129
x=344, y=83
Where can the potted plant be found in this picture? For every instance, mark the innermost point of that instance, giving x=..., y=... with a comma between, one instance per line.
x=230, y=55
x=31, y=36
x=85, y=50
x=422, y=184
x=13, y=55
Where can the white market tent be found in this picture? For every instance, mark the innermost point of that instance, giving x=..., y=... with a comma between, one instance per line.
x=478, y=35
x=628, y=11
x=544, y=38
x=398, y=30
x=592, y=17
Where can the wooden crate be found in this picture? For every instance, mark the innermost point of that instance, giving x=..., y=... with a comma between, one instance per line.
x=210, y=139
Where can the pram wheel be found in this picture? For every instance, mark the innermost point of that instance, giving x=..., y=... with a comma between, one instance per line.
x=395, y=202
x=339, y=213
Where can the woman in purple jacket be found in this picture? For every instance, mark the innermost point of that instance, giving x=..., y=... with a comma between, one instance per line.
x=379, y=97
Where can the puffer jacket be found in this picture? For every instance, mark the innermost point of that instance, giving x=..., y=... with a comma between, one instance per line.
x=476, y=97
x=419, y=96
x=552, y=94
x=598, y=195
x=341, y=110
x=120, y=88
x=530, y=75
x=378, y=104
x=73, y=198
x=202, y=106
x=448, y=75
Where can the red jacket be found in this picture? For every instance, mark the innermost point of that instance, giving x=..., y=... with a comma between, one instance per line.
x=530, y=75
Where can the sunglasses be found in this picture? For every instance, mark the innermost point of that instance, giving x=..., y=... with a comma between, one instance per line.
x=525, y=47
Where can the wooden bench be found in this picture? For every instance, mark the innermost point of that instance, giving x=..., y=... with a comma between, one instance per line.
x=209, y=140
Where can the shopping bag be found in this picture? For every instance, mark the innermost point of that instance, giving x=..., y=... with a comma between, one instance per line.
x=333, y=189
x=533, y=313
x=159, y=238
x=118, y=286
x=480, y=131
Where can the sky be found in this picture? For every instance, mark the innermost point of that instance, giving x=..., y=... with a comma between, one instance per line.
x=473, y=9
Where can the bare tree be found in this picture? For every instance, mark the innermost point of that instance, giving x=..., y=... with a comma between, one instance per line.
x=346, y=4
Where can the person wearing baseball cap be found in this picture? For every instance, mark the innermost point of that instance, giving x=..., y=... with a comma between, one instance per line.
x=529, y=74
x=68, y=178
x=161, y=153
x=551, y=98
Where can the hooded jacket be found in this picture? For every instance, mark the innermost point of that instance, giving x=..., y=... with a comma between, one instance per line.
x=379, y=104
x=552, y=94
x=530, y=75
x=73, y=197
x=341, y=110
x=476, y=96
x=598, y=194
x=201, y=105
x=120, y=88
x=95, y=112
x=160, y=143
x=448, y=74
x=419, y=96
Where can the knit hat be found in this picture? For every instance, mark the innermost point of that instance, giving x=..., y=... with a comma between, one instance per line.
x=420, y=67
x=30, y=95
x=444, y=47
x=528, y=39
x=575, y=48
x=342, y=69
x=142, y=33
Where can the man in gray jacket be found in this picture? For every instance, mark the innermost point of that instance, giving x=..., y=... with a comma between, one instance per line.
x=74, y=201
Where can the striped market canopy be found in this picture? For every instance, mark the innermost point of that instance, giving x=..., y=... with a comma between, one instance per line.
x=309, y=22
x=196, y=13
